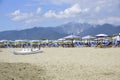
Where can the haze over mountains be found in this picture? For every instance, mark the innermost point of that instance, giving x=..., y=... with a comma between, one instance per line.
x=60, y=31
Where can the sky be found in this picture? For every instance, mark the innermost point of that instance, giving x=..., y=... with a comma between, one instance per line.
x=22, y=14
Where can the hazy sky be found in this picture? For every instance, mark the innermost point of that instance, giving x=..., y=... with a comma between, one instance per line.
x=20, y=14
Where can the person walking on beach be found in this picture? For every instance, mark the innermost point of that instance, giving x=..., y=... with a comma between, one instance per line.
x=118, y=40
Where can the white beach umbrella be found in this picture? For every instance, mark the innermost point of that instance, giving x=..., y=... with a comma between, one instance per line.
x=21, y=40
x=61, y=39
x=34, y=40
x=88, y=37
x=3, y=40
x=45, y=41
x=72, y=37
x=101, y=35
x=102, y=38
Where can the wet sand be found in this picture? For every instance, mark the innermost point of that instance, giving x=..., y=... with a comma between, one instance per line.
x=62, y=64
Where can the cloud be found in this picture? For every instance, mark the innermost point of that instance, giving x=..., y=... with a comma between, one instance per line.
x=110, y=20
x=38, y=10
x=73, y=11
x=26, y=17
x=97, y=9
x=60, y=2
x=29, y=21
x=52, y=2
x=91, y=11
x=17, y=15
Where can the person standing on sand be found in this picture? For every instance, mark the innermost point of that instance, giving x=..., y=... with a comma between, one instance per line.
x=118, y=39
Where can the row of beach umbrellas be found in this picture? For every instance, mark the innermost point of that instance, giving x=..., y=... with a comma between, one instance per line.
x=85, y=37
x=69, y=37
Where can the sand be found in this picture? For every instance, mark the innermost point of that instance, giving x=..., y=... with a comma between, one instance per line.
x=62, y=64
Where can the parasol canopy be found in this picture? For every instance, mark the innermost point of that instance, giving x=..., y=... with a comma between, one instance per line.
x=101, y=35
x=88, y=37
x=72, y=37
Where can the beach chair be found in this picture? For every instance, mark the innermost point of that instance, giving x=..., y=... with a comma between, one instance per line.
x=78, y=44
x=92, y=44
x=106, y=44
x=117, y=43
x=52, y=45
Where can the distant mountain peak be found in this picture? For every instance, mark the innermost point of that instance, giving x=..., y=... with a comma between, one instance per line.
x=57, y=32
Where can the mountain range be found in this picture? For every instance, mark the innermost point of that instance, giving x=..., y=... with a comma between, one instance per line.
x=60, y=31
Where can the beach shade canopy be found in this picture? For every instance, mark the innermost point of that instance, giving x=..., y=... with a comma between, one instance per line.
x=102, y=38
x=34, y=40
x=72, y=37
x=101, y=35
x=3, y=40
x=88, y=37
x=61, y=39
x=21, y=40
x=45, y=41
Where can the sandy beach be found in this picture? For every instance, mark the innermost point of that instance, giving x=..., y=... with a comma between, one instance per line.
x=61, y=64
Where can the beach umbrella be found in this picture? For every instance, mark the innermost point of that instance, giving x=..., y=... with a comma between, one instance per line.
x=3, y=40
x=61, y=39
x=102, y=38
x=45, y=41
x=71, y=37
x=88, y=37
x=101, y=35
x=20, y=40
x=34, y=40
